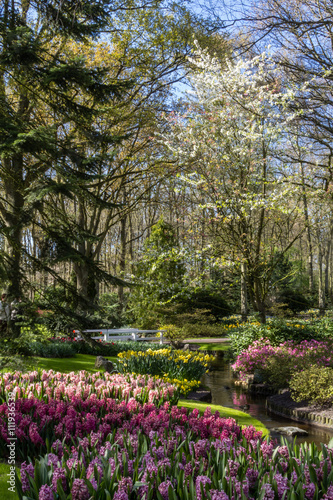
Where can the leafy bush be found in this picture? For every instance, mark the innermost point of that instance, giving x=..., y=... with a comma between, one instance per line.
x=242, y=337
x=280, y=368
x=174, y=334
x=210, y=302
x=197, y=330
x=180, y=317
x=52, y=349
x=107, y=348
x=191, y=306
x=294, y=300
x=315, y=385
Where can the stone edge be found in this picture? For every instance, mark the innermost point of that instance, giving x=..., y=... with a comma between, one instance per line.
x=306, y=417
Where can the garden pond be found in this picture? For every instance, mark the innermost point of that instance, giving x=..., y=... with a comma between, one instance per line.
x=220, y=381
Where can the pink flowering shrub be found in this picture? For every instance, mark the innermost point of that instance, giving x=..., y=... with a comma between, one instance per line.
x=278, y=363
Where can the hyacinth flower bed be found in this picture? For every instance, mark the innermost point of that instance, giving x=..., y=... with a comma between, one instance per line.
x=86, y=441
x=174, y=363
x=168, y=453
x=278, y=363
x=46, y=385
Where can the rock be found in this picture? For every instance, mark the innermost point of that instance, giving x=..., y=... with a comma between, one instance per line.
x=186, y=347
x=102, y=362
x=177, y=344
x=290, y=431
x=202, y=395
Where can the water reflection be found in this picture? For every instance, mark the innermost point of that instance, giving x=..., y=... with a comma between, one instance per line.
x=225, y=393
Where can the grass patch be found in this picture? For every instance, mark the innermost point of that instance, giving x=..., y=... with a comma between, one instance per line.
x=66, y=365
x=209, y=346
x=5, y=494
x=243, y=419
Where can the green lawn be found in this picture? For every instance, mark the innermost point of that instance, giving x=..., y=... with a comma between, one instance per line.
x=209, y=346
x=5, y=494
x=66, y=365
x=243, y=419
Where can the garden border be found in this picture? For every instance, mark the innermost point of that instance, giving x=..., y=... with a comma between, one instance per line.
x=297, y=411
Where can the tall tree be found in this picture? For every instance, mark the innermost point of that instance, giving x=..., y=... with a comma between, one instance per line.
x=126, y=170
x=236, y=119
x=41, y=93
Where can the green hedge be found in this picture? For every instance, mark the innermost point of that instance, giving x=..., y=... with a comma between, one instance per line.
x=64, y=348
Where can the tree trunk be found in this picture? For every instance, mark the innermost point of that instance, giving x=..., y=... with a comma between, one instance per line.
x=321, y=290
x=122, y=259
x=12, y=214
x=327, y=267
x=244, y=306
x=308, y=233
x=260, y=303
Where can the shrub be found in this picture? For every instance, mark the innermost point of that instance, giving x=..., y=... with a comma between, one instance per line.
x=293, y=301
x=106, y=348
x=52, y=349
x=212, y=303
x=242, y=337
x=174, y=334
x=315, y=385
x=194, y=317
x=280, y=368
x=197, y=330
x=278, y=363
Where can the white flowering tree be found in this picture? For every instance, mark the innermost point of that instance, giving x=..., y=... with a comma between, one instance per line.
x=228, y=142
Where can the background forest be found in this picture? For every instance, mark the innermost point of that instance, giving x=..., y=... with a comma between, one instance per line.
x=165, y=162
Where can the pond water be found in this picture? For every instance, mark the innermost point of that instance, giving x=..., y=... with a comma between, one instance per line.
x=225, y=393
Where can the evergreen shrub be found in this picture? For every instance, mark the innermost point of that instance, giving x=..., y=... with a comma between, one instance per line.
x=52, y=349
x=292, y=301
x=315, y=385
x=201, y=330
x=211, y=303
x=106, y=348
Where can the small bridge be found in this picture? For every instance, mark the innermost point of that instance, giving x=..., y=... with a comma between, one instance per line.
x=114, y=334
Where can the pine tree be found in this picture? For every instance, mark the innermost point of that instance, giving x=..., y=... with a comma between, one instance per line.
x=48, y=100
